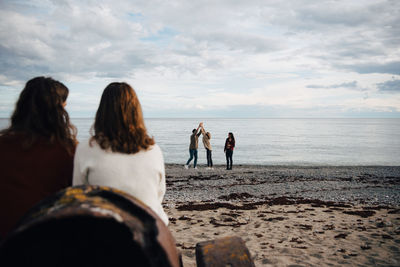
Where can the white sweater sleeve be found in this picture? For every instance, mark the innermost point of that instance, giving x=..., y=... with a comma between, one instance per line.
x=162, y=184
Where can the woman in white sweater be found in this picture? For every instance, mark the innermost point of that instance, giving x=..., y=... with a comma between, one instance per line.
x=121, y=154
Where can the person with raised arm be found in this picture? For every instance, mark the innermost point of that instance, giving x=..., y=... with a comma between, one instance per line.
x=207, y=146
x=194, y=144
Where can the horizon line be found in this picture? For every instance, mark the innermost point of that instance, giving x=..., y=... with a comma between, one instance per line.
x=246, y=118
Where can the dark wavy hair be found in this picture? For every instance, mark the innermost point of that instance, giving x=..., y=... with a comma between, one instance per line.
x=231, y=135
x=119, y=123
x=39, y=114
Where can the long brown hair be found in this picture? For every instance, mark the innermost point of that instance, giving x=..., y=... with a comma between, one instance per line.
x=39, y=113
x=119, y=123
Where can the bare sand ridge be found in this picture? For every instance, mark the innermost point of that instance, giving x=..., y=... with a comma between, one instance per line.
x=290, y=216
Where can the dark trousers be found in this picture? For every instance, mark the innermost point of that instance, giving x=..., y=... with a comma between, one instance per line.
x=192, y=152
x=209, y=158
x=228, y=155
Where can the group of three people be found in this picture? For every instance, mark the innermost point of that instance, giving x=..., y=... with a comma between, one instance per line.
x=228, y=148
x=40, y=155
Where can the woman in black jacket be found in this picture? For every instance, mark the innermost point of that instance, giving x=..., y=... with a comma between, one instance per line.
x=228, y=149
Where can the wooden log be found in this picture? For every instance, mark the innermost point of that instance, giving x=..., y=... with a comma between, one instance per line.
x=228, y=251
x=90, y=226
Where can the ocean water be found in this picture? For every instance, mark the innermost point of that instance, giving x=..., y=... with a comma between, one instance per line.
x=277, y=141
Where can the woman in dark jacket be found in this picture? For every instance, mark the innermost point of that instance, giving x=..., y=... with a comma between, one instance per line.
x=228, y=149
x=36, y=151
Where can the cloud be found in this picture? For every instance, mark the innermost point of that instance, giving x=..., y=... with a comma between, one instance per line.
x=392, y=86
x=276, y=111
x=252, y=43
x=185, y=51
x=351, y=85
x=80, y=40
x=105, y=39
x=373, y=67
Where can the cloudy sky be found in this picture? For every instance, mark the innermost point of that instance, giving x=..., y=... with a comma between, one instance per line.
x=225, y=58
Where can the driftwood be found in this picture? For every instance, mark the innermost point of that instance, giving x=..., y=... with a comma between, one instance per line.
x=90, y=226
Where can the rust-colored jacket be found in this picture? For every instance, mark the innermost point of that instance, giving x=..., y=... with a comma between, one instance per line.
x=28, y=175
x=229, y=144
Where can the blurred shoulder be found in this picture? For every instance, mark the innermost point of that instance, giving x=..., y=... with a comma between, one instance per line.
x=155, y=152
x=155, y=149
x=86, y=146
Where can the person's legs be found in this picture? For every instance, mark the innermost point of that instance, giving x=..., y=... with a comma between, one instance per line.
x=195, y=158
x=229, y=159
x=209, y=158
x=231, y=156
x=191, y=156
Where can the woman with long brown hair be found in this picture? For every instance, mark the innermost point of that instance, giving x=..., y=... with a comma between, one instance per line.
x=228, y=149
x=121, y=154
x=36, y=151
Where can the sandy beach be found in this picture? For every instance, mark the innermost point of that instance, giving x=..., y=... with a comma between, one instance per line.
x=288, y=215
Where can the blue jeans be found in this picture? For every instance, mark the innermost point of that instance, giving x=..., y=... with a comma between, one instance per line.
x=209, y=158
x=228, y=155
x=192, y=152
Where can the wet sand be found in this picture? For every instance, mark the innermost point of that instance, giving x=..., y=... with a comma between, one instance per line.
x=290, y=216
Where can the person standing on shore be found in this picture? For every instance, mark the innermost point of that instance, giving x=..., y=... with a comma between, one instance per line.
x=207, y=146
x=36, y=151
x=228, y=149
x=194, y=143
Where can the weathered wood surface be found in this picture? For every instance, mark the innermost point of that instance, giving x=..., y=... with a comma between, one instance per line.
x=90, y=226
x=228, y=251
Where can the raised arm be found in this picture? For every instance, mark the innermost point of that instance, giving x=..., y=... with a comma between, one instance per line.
x=200, y=127
x=203, y=131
